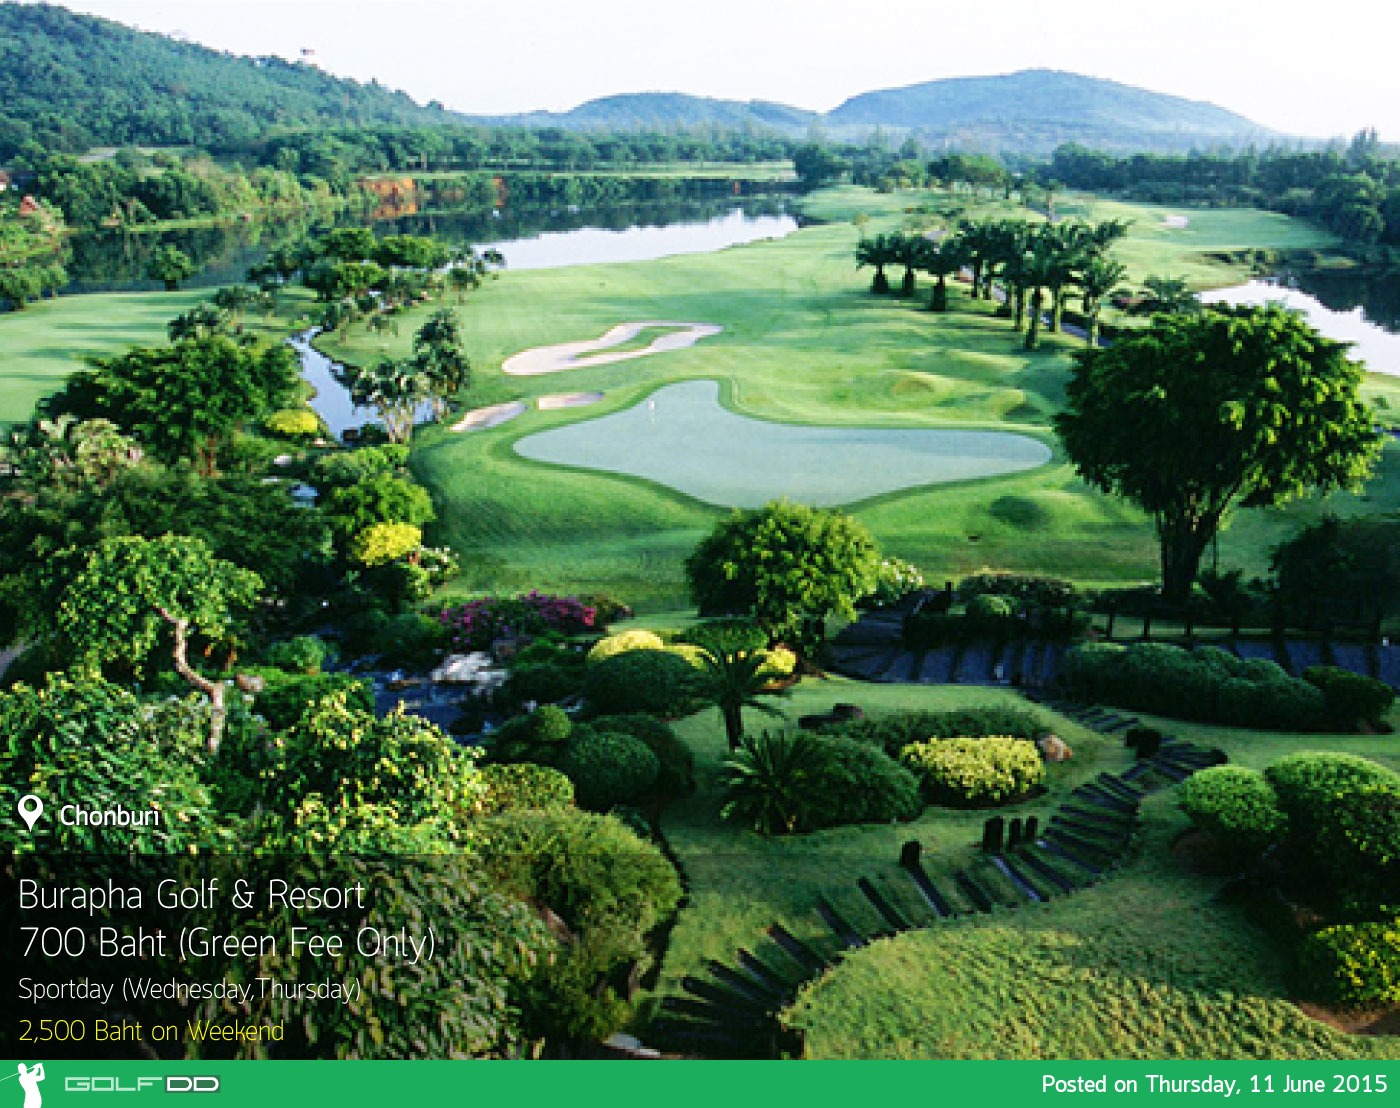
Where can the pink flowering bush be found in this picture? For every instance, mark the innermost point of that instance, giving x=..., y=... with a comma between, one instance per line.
x=478, y=623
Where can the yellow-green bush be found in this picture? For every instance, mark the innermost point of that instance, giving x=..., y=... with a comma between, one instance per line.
x=294, y=423
x=622, y=642
x=972, y=773
x=382, y=543
x=1353, y=966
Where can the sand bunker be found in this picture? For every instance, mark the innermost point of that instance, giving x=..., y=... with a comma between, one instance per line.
x=483, y=419
x=582, y=355
x=567, y=400
x=1175, y=222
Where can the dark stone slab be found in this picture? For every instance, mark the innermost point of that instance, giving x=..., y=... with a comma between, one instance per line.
x=973, y=891
x=937, y=667
x=935, y=899
x=888, y=912
x=796, y=949
x=747, y=983
x=1051, y=845
x=1047, y=872
x=840, y=926
x=717, y=1015
x=1019, y=881
x=724, y=998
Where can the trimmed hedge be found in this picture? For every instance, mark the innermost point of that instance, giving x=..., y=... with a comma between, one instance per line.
x=898, y=730
x=1214, y=688
x=726, y=636
x=1048, y=592
x=608, y=769
x=657, y=682
x=858, y=783
x=677, y=773
x=1352, y=966
x=1352, y=699
x=1236, y=807
x=537, y=737
x=510, y=788
x=975, y=773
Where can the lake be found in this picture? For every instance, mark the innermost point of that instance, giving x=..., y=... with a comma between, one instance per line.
x=683, y=438
x=552, y=249
x=1371, y=343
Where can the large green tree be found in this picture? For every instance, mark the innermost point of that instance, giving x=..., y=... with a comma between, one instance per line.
x=186, y=400
x=1205, y=412
x=132, y=592
x=787, y=565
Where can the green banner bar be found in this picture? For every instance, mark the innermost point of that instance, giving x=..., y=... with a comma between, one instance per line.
x=848, y=1084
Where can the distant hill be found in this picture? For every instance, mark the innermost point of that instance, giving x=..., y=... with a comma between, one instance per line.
x=72, y=81
x=668, y=110
x=1030, y=112
x=1037, y=109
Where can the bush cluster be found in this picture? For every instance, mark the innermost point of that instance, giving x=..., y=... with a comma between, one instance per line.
x=478, y=623
x=608, y=769
x=1235, y=807
x=624, y=641
x=1045, y=592
x=721, y=636
x=897, y=730
x=509, y=788
x=975, y=773
x=1209, y=685
x=1354, y=966
x=677, y=772
x=285, y=696
x=791, y=782
x=657, y=682
x=1352, y=699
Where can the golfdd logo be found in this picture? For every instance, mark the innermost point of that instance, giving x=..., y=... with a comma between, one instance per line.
x=171, y=1083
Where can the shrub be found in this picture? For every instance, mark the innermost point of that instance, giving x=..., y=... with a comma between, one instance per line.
x=896, y=731
x=286, y=696
x=1310, y=782
x=770, y=782
x=720, y=636
x=779, y=664
x=537, y=737
x=609, y=769
x=543, y=684
x=894, y=580
x=510, y=788
x=478, y=623
x=1236, y=807
x=294, y=423
x=657, y=682
x=1353, y=966
x=677, y=775
x=382, y=543
x=1046, y=592
x=302, y=654
x=409, y=639
x=975, y=773
x=990, y=615
x=350, y=467
x=621, y=643
x=859, y=783
x=609, y=886
x=1170, y=681
x=1351, y=698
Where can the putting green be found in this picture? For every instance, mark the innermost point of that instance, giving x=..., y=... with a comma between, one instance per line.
x=681, y=437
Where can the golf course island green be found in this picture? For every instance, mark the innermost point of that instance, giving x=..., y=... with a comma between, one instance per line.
x=683, y=438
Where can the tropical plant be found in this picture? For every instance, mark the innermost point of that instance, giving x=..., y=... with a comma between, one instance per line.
x=733, y=680
x=769, y=780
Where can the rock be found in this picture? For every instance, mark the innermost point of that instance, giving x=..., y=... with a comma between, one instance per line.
x=1054, y=749
x=462, y=669
x=250, y=683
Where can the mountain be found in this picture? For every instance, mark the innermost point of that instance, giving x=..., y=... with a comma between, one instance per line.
x=72, y=81
x=1029, y=112
x=668, y=110
x=1035, y=110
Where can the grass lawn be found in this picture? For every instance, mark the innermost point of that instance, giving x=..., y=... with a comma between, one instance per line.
x=1146, y=964
x=47, y=341
x=805, y=343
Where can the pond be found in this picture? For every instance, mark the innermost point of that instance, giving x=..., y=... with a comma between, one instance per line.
x=332, y=400
x=593, y=245
x=1345, y=320
x=682, y=437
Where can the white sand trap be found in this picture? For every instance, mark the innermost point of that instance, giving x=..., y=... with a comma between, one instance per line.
x=582, y=355
x=567, y=400
x=1175, y=222
x=483, y=419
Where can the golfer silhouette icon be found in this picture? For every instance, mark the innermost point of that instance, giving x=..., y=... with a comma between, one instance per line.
x=29, y=1078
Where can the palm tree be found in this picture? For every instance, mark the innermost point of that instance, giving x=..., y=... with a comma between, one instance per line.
x=877, y=252
x=1097, y=280
x=907, y=250
x=940, y=260
x=769, y=782
x=733, y=680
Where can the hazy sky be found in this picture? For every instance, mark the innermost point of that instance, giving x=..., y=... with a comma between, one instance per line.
x=1313, y=68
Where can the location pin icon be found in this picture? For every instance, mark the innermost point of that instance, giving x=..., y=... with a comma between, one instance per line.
x=30, y=809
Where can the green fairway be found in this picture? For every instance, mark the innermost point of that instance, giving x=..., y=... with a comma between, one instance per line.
x=681, y=437
x=47, y=341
